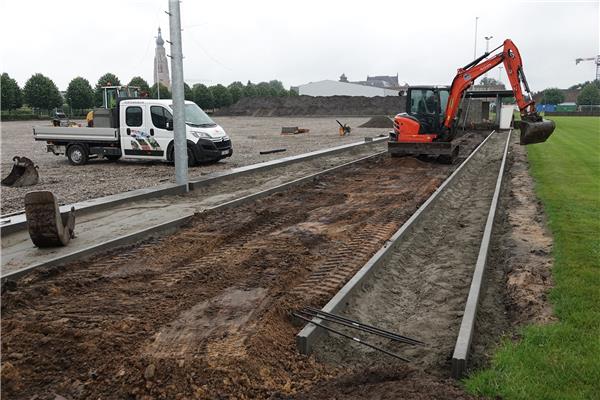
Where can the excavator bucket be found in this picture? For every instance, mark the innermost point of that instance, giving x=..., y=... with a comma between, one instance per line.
x=535, y=130
x=23, y=173
x=47, y=227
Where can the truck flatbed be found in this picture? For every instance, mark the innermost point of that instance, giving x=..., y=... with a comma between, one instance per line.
x=46, y=133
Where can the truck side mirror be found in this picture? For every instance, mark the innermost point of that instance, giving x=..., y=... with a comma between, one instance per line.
x=169, y=125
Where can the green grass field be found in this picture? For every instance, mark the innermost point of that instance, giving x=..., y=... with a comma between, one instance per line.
x=560, y=360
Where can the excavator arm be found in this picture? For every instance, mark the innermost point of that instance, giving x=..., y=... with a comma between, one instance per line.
x=533, y=128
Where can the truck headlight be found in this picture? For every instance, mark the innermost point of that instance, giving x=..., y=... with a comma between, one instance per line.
x=198, y=134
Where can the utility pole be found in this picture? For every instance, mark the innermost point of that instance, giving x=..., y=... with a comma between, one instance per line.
x=475, y=45
x=181, y=158
x=487, y=46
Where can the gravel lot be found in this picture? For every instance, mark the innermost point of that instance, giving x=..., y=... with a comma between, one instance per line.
x=249, y=135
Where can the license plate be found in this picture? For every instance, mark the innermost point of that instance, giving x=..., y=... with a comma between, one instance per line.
x=224, y=152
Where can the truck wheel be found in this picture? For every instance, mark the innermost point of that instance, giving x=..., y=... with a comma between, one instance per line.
x=112, y=157
x=191, y=157
x=77, y=154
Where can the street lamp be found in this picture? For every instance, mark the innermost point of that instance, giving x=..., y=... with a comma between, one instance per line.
x=475, y=45
x=487, y=46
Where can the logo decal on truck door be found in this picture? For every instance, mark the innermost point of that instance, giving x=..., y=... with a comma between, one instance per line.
x=143, y=145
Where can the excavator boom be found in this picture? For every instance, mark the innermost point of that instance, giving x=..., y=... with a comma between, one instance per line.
x=534, y=129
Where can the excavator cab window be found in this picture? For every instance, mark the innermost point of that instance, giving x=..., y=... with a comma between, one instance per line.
x=422, y=101
x=425, y=106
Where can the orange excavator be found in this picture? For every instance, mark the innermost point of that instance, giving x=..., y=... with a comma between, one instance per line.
x=429, y=125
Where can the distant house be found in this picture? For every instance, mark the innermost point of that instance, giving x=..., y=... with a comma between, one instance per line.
x=338, y=88
x=373, y=86
x=383, y=81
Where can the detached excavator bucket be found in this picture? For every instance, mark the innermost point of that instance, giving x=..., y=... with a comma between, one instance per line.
x=535, y=130
x=23, y=173
x=47, y=227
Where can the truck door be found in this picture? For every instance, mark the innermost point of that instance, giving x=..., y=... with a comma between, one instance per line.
x=136, y=140
x=161, y=130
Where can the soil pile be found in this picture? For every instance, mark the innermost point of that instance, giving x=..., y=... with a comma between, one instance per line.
x=315, y=106
x=380, y=121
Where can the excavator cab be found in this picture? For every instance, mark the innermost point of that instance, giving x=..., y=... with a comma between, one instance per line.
x=428, y=105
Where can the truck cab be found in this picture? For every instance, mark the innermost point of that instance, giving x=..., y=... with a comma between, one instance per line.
x=146, y=128
x=138, y=129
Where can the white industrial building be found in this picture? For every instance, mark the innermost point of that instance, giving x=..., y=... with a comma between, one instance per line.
x=336, y=88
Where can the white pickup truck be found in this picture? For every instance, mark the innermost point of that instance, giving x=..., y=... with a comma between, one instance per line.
x=138, y=129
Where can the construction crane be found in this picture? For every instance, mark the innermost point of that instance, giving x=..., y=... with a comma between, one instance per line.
x=596, y=59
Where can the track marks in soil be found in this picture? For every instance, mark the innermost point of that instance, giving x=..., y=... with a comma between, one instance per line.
x=211, y=302
x=421, y=291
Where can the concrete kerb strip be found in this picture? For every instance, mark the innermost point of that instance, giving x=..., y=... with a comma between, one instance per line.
x=267, y=165
x=308, y=336
x=18, y=221
x=161, y=228
x=88, y=251
x=467, y=326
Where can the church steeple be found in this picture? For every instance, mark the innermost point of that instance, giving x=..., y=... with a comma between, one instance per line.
x=161, y=65
x=159, y=39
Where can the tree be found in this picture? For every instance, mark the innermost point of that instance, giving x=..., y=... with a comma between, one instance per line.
x=250, y=90
x=188, y=94
x=590, y=95
x=579, y=86
x=141, y=83
x=487, y=81
x=277, y=88
x=41, y=92
x=203, y=96
x=221, y=95
x=264, y=90
x=553, y=96
x=108, y=79
x=12, y=97
x=80, y=94
x=237, y=91
x=164, y=92
x=293, y=92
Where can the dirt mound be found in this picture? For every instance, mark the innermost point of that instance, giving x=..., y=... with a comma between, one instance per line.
x=315, y=106
x=380, y=121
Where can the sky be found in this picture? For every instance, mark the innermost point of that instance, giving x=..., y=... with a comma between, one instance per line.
x=424, y=42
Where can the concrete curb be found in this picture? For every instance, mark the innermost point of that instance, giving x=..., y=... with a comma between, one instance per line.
x=268, y=165
x=18, y=221
x=161, y=228
x=120, y=241
x=467, y=325
x=306, y=338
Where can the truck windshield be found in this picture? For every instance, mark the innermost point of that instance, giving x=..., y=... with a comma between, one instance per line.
x=194, y=116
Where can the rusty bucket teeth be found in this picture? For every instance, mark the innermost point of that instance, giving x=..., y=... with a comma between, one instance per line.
x=536, y=131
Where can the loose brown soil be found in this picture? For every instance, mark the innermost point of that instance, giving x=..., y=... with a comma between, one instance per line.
x=335, y=106
x=529, y=268
x=420, y=290
x=205, y=312
x=380, y=121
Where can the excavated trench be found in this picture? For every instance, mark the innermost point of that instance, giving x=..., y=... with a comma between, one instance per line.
x=205, y=312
